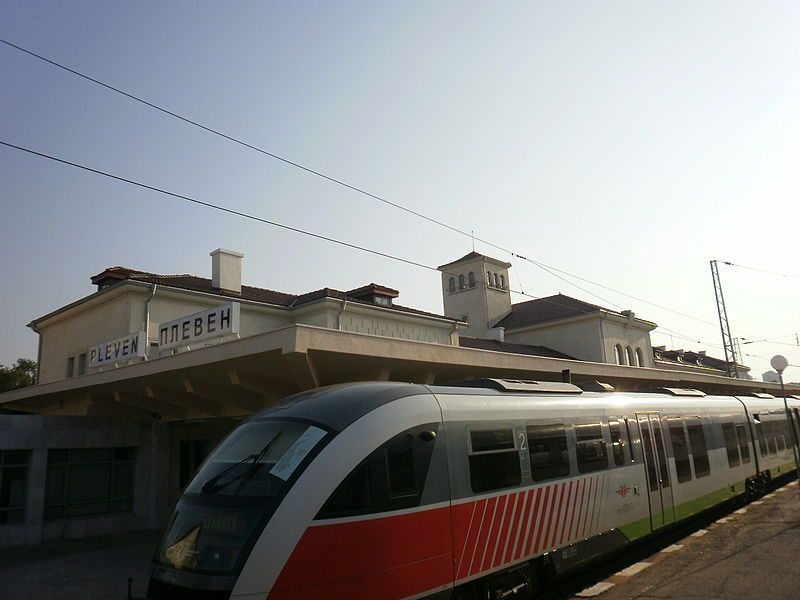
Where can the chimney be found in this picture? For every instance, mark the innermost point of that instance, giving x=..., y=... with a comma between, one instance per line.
x=226, y=270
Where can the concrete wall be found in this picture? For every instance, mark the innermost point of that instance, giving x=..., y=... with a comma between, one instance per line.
x=156, y=472
x=41, y=433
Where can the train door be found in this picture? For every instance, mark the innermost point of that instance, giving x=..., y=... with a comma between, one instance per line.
x=657, y=469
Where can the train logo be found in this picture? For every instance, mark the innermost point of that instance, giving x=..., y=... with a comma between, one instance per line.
x=623, y=490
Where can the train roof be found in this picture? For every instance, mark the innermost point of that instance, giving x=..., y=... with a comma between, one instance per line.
x=338, y=406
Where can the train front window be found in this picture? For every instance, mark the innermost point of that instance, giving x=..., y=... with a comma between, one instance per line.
x=257, y=459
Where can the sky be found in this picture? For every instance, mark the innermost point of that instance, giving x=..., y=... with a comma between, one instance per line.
x=627, y=143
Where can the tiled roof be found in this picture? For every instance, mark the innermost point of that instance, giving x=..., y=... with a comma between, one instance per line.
x=201, y=284
x=551, y=308
x=498, y=346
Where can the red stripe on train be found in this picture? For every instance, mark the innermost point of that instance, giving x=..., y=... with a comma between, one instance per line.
x=389, y=558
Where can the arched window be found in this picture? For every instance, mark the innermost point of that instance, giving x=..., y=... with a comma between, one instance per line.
x=461, y=282
x=618, y=355
x=639, y=358
x=496, y=280
x=471, y=279
x=502, y=282
x=452, y=284
x=489, y=278
x=631, y=360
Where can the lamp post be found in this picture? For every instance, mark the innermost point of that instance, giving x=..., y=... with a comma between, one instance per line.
x=779, y=363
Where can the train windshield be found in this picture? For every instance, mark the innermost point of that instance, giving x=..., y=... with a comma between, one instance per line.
x=234, y=493
x=257, y=459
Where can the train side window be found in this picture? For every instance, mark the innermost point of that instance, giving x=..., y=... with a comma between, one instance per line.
x=400, y=466
x=617, y=443
x=590, y=447
x=630, y=439
x=662, y=463
x=762, y=441
x=547, y=445
x=731, y=445
x=780, y=434
x=493, y=460
x=353, y=496
x=680, y=448
x=769, y=435
x=743, y=447
x=697, y=442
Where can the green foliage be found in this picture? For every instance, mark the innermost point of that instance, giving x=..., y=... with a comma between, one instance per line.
x=21, y=374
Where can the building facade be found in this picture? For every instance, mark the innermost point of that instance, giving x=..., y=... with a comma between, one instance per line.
x=142, y=378
x=475, y=289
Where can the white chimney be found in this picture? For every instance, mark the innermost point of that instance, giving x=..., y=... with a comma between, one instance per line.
x=226, y=270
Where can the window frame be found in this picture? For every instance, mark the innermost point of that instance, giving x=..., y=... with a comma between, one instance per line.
x=471, y=452
x=731, y=444
x=589, y=422
x=565, y=429
x=702, y=457
x=110, y=498
x=681, y=475
x=6, y=465
x=619, y=457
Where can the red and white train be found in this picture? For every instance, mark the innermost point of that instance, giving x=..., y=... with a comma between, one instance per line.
x=402, y=491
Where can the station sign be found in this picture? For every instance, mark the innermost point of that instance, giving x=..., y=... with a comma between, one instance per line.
x=212, y=323
x=124, y=348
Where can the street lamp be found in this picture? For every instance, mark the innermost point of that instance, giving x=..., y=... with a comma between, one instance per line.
x=779, y=363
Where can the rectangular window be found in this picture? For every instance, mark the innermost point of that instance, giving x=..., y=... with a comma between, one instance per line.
x=13, y=485
x=680, y=448
x=769, y=434
x=630, y=439
x=731, y=444
x=649, y=456
x=780, y=434
x=70, y=366
x=590, y=447
x=741, y=434
x=89, y=481
x=547, y=445
x=82, y=364
x=400, y=467
x=697, y=442
x=662, y=454
x=760, y=433
x=493, y=460
x=617, y=443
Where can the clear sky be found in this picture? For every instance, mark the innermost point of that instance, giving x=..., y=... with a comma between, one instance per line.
x=625, y=142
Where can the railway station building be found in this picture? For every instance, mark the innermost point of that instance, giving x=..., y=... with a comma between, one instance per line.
x=140, y=379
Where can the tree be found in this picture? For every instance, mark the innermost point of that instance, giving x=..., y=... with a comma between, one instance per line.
x=21, y=374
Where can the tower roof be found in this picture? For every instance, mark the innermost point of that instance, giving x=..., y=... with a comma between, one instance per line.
x=472, y=256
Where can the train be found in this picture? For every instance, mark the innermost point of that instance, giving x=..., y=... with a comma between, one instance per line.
x=476, y=491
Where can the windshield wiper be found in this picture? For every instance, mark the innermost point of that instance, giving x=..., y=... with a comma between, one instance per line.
x=254, y=467
x=211, y=486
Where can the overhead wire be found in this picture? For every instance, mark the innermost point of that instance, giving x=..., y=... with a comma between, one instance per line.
x=547, y=268
x=553, y=271
x=298, y=230
x=256, y=218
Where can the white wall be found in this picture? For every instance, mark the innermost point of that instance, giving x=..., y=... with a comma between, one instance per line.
x=579, y=339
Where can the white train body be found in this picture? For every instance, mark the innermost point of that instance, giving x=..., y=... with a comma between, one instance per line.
x=407, y=491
